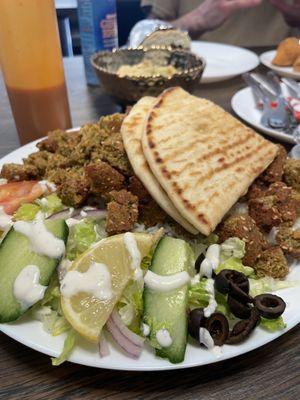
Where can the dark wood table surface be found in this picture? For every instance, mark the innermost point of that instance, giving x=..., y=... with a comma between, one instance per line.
x=271, y=372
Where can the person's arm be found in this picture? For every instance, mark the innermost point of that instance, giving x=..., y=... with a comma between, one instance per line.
x=290, y=12
x=209, y=15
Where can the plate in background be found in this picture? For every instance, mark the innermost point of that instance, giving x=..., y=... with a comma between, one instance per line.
x=243, y=104
x=266, y=59
x=224, y=61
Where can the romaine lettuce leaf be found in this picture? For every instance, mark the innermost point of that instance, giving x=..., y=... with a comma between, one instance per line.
x=130, y=306
x=232, y=248
x=235, y=264
x=268, y=284
x=198, y=295
x=82, y=236
x=48, y=205
x=69, y=344
x=272, y=325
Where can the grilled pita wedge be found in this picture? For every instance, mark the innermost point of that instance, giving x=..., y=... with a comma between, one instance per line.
x=204, y=158
x=131, y=130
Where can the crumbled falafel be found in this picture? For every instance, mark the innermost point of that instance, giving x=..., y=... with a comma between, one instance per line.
x=277, y=205
x=103, y=178
x=292, y=173
x=39, y=160
x=288, y=238
x=18, y=172
x=122, y=212
x=275, y=170
x=245, y=228
x=74, y=187
x=136, y=187
x=272, y=262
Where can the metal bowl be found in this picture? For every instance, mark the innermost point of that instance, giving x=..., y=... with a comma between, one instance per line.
x=129, y=89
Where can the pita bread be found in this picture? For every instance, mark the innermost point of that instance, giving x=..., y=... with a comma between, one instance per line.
x=203, y=157
x=131, y=130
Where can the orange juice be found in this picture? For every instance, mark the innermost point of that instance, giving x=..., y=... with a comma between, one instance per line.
x=31, y=61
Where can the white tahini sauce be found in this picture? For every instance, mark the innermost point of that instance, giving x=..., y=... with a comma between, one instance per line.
x=212, y=305
x=206, y=339
x=41, y=240
x=145, y=329
x=166, y=283
x=211, y=260
x=27, y=289
x=136, y=258
x=163, y=337
x=271, y=236
x=5, y=220
x=47, y=186
x=95, y=281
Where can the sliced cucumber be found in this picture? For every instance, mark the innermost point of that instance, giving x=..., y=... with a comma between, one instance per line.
x=15, y=254
x=169, y=310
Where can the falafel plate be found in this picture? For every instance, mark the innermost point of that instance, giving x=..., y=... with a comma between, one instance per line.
x=106, y=266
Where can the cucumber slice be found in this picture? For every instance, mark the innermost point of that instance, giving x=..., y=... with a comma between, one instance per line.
x=15, y=254
x=169, y=310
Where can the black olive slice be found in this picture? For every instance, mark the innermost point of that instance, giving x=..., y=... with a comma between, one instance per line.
x=238, y=309
x=242, y=329
x=196, y=320
x=218, y=327
x=198, y=262
x=227, y=277
x=269, y=305
x=238, y=293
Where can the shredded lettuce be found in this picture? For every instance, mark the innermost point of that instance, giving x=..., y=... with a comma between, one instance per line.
x=69, y=344
x=130, y=306
x=232, y=248
x=198, y=295
x=268, y=284
x=200, y=243
x=146, y=261
x=272, y=325
x=235, y=264
x=222, y=306
x=82, y=236
x=26, y=212
x=48, y=205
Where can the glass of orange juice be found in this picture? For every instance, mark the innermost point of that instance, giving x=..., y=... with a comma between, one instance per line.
x=31, y=62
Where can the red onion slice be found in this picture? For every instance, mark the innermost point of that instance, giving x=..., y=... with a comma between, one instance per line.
x=103, y=345
x=64, y=214
x=129, y=348
x=133, y=337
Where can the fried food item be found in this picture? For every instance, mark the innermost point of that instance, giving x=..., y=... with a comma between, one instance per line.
x=103, y=178
x=275, y=170
x=272, y=262
x=277, y=205
x=203, y=157
x=288, y=238
x=122, y=212
x=292, y=173
x=132, y=131
x=287, y=52
x=39, y=160
x=58, y=139
x=245, y=228
x=74, y=187
x=113, y=152
x=18, y=172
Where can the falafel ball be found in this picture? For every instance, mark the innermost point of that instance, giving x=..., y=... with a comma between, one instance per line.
x=288, y=238
x=292, y=173
x=245, y=228
x=277, y=205
x=272, y=262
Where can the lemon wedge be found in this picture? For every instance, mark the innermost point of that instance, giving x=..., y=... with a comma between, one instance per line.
x=88, y=314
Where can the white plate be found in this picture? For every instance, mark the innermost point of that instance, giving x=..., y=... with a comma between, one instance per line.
x=266, y=59
x=30, y=332
x=224, y=61
x=243, y=104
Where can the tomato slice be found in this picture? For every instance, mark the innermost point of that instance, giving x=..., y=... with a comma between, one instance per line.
x=13, y=194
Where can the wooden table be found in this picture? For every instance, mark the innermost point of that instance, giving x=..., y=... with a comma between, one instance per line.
x=271, y=372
